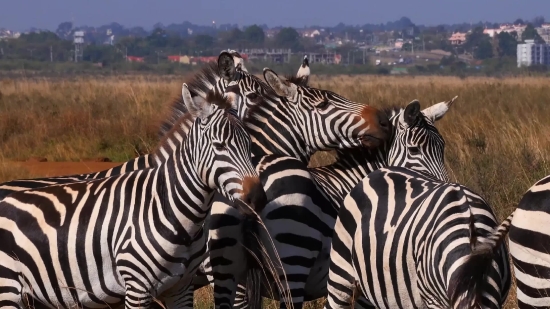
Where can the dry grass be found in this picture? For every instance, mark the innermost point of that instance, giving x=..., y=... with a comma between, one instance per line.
x=497, y=132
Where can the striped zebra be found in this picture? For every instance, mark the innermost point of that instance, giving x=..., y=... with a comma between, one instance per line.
x=127, y=238
x=288, y=122
x=410, y=239
x=529, y=246
x=414, y=142
x=200, y=85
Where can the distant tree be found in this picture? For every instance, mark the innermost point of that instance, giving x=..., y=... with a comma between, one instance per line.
x=39, y=37
x=104, y=54
x=407, y=46
x=158, y=38
x=64, y=29
x=484, y=50
x=506, y=45
x=530, y=33
x=232, y=37
x=254, y=34
x=538, y=21
x=479, y=43
x=519, y=21
x=203, y=42
x=288, y=38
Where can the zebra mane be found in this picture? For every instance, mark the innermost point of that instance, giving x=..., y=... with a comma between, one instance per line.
x=178, y=131
x=200, y=84
x=166, y=145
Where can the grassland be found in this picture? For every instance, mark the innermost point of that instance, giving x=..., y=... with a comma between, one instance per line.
x=497, y=133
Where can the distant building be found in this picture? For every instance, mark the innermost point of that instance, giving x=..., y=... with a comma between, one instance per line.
x=458, y=38
x=398, y=43
x=309, y=33
x=135, y=59
x=532, y=53
x=544, y=32
x=506, y=28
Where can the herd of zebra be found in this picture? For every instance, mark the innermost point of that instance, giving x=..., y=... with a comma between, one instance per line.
x=227, y=199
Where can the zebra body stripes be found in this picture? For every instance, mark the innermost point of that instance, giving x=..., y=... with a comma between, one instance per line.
x=126, y=238
x=530, y=246
x=288, y=120
x=414, y=142
x=411, y=240
x=200, y=85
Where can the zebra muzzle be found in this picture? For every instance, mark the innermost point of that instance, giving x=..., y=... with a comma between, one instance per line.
x=253, y=193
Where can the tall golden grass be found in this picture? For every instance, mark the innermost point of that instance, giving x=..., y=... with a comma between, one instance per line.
x=497, y=132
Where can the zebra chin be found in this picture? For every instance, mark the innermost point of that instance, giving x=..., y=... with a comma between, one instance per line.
x=253, y=193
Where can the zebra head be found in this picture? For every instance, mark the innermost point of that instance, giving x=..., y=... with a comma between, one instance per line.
x=219, y=148
x=313, y=118
x=417, y=144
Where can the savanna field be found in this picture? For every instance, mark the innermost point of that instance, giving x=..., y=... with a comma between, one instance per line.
x=497, y=132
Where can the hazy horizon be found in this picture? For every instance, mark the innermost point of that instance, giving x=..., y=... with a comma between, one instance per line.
x=24, y=14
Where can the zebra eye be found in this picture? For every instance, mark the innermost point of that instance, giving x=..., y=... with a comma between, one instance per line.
x=252, y=96
x=322, y=105
x=220, y=146
x=414, y=150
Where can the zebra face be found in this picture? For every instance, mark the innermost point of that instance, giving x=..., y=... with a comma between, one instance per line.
x=330, y=120
x=221, y=148
x=417, y=144
x=318, y=119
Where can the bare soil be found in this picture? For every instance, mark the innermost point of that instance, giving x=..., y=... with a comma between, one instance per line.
x=48, y=169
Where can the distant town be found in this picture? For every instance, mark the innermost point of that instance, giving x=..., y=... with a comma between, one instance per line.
x=398, y=46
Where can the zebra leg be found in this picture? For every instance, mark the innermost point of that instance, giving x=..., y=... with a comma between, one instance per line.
x=180, y=296
x=137, y=296
x=341, y=280
x=226, y=254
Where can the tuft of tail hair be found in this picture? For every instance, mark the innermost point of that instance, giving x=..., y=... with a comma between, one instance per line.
x=467, y=285
x=259, y=263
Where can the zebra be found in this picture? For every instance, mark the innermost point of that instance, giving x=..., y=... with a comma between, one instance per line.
x=199, y=85
x=411, y=239
x=288, y=122
x=126, y=238
x=528, y=241
x=414, y=142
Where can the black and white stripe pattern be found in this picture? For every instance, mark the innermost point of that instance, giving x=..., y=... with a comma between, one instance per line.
x=126, y=238
x=530, y=246
x=411, y=240
x=288, y=123
x=205, y=81
x=415, y=142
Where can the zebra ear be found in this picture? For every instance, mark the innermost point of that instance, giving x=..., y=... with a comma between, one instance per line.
x=411, y=113
x=281, y=86
x=226, y=66
x=437, y=111
x=197, y=107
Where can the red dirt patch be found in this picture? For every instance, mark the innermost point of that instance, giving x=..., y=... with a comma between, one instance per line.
x=48, y=169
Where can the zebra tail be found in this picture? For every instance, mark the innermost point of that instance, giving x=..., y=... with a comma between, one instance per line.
x=467, y=290
x=259, y=264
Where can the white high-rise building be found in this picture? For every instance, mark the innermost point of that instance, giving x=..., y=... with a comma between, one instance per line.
x=531, y=53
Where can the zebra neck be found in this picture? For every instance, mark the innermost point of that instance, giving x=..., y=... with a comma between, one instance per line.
x=273, y=132
x=181, y=197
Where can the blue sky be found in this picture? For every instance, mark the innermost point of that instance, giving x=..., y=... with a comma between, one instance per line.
x=22, y=14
